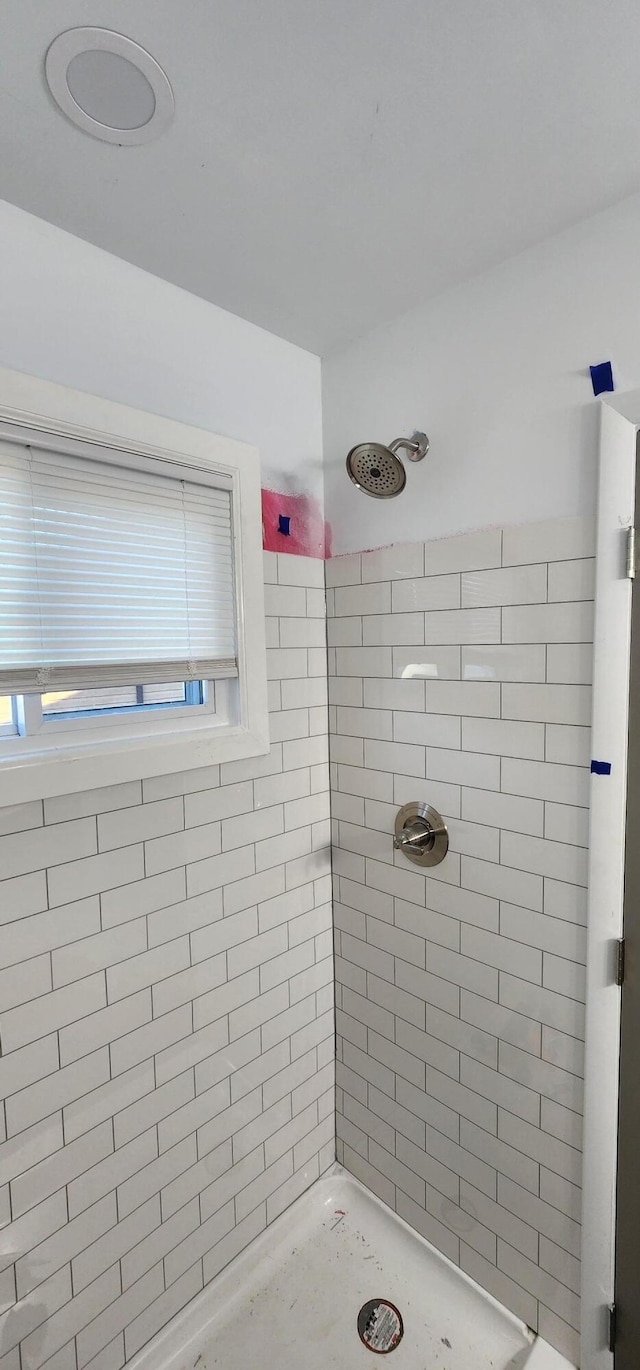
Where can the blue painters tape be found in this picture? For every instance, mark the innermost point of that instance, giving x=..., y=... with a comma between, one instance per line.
x=283, y=524
x=601, y=377
x=601, y=768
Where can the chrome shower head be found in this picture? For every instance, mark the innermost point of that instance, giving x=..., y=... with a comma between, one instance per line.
x=378, y=471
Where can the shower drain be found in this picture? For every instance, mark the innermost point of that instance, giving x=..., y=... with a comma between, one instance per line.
x=380, y=1326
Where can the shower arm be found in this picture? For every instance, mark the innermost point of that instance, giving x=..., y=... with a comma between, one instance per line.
x=415, y=447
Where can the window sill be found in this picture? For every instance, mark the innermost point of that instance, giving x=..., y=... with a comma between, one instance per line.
x=71, y=769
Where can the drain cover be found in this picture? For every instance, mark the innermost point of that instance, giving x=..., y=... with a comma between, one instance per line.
x=380, y=1326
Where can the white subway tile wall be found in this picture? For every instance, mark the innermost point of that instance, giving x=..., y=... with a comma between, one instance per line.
x=459, y=674
x=166, y=1023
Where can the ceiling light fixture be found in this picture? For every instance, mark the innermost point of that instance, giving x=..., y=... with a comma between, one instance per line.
x=109, y=86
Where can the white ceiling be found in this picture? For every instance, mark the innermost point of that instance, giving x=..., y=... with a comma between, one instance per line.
x=333, y=161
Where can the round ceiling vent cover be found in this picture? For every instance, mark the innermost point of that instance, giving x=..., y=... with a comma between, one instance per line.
x=109, y=86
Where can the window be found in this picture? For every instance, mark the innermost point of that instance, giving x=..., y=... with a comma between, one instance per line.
x=64, y=710
x=131, y=623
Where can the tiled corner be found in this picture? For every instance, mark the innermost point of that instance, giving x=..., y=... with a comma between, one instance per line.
x=167, y=988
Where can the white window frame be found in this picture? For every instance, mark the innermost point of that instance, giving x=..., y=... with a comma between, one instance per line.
x=148, y=745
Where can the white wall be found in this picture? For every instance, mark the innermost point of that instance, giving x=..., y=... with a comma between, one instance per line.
x=166, y=1020
x=460, y=989
x=263, y=1045
x=77, y=315
x=496, y=373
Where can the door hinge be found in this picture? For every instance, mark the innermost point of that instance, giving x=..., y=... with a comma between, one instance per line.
x=631, y=553
x=611, y=1332
x=619, y=973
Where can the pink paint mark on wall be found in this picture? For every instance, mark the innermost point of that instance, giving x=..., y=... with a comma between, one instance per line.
x=308, y=534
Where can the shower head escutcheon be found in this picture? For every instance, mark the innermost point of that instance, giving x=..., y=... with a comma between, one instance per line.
x=378, y=471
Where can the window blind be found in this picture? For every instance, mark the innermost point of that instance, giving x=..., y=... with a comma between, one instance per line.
x=110, y=574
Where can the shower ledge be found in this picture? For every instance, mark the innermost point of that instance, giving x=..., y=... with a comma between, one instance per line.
x=292, y=1298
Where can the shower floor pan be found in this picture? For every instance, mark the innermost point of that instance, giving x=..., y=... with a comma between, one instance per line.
x=291, y=1300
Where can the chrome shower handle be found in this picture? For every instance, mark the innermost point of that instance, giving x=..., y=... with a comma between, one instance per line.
x=421, y=834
